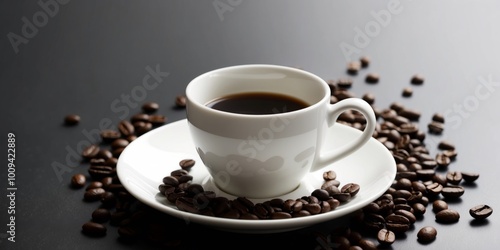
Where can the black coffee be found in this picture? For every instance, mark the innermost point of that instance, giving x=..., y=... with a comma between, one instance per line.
x=257, y=103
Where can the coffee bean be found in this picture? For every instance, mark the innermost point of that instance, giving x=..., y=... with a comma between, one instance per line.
x=437, y=117
x=335, y=183
x=417, y=79
x=99, y=172
x=452, y=192
x=353, y=67
x=369, y=98
x=439, y=205
x=374, y=221
x=407, y=92
x=366, y=244
x=187, y=164
x=386, y=237
x=90, y=151
x=78, y=180
x=469, y=177
x=71, y=120
x=150, y=107
x=442, y=160
x=454, y=177
x=427, y=234
x=372, y=78
x=157, y=120
x=180, y=101
x=109, y=135
x=351, y=188
x=280, y=215
x=480, y=212
x=142, y=127
x=329, y=175
x=321, y=194
x=434, y=188
x=419, y=209
x=94, y=194
x=435, y=127
x=139, y=118
x=108, y=199
x=94, y=229
x=447, y=216
x=413, y=115
x=94, y=184
x=408, y=214
x=186, y=204
x=397, y=223
x=365, y=61
x=119, y=143
x=101, y=215
x=126, y=128
x=344, y=83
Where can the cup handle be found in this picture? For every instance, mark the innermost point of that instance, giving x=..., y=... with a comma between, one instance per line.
x=326, y=158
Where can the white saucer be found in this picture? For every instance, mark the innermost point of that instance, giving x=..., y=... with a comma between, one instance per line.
x=143, y=164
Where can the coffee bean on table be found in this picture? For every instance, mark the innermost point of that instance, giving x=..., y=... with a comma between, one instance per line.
x=150, y=107
x=454, y=177
x=94, y=194
x=452, y=192
x=101, y=215
x=372, y=78
x=71, y=120
x=180, y=101
x=447, y=216
x=109, y=135
x=417, y=79
x=187, y=164
x=386, y=237
x=427, y=234
x=119, y=143
x=94, y=229
x=90, y=151
x=353, y=67
x=139, y=118
x=157, y=120
x=407, y=92
x=365, y=61
x=435, y=127
x=78, y=180
x=446, y=145
x=369, y=98
x=344, y=83
x=480, y=212
x=439, y=205
x=126, y=128
x=469, y=177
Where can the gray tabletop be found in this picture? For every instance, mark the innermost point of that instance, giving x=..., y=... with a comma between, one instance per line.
x=104, y=59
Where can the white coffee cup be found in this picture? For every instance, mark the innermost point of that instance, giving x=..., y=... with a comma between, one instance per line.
x=263, y=156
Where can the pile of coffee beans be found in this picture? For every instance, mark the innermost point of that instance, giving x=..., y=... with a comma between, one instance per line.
x=421, y=178
x=193, y=198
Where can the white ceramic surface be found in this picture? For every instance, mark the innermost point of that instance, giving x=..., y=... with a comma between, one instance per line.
x=143, y=164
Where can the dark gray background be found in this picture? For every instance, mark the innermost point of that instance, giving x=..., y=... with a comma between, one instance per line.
x=87, y=55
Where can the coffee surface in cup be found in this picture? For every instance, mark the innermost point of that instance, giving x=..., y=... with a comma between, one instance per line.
x=257, y=103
